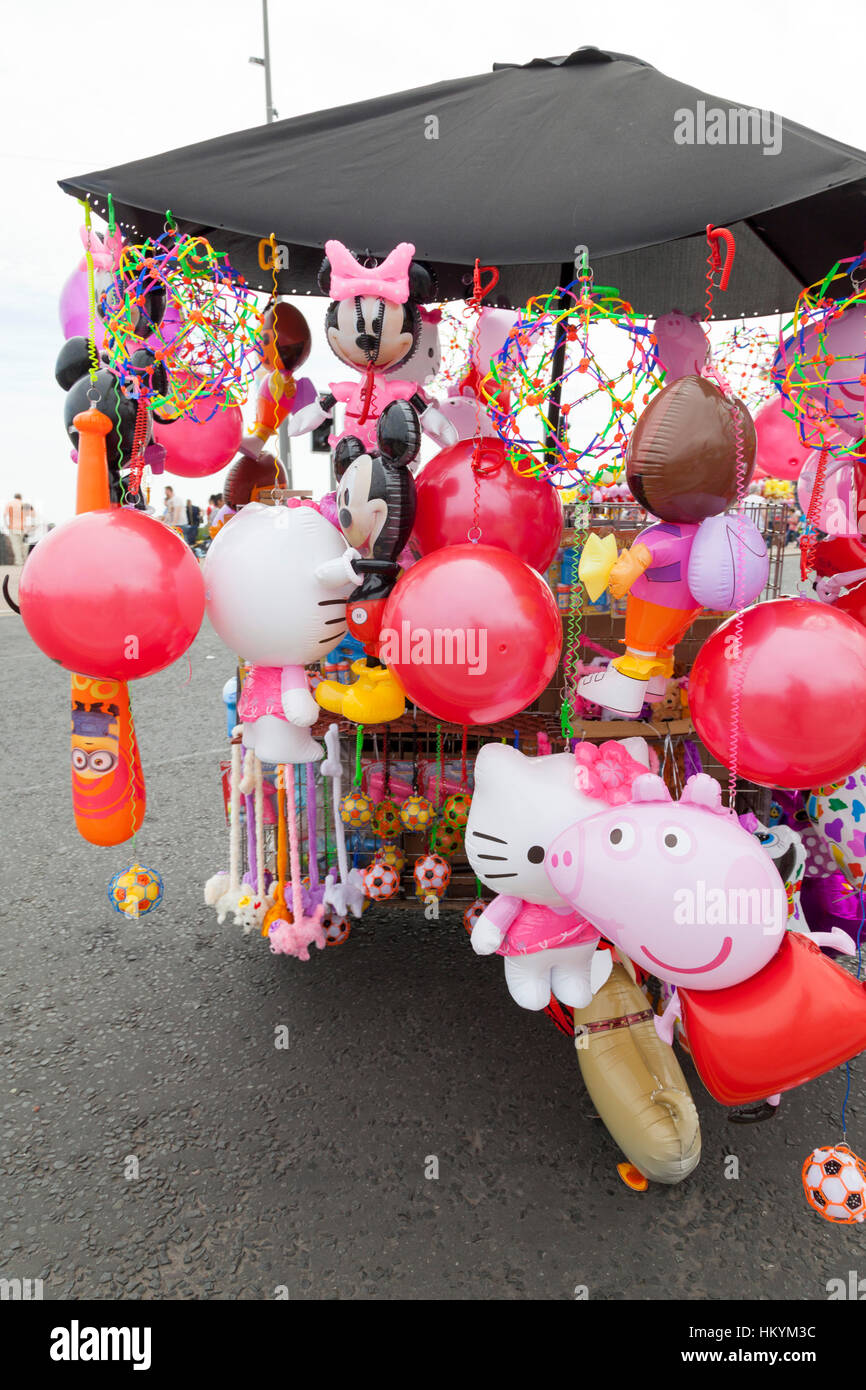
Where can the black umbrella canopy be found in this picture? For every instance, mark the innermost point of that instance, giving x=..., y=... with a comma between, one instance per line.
x=518, y=167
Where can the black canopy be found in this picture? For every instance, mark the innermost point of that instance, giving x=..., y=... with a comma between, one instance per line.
x=517, y=167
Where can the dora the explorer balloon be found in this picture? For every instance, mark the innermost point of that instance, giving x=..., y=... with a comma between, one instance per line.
x=373, y=325
x=286, y=344
x=681, y=465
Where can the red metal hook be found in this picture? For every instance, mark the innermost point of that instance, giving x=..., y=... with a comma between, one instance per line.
x=714, y=236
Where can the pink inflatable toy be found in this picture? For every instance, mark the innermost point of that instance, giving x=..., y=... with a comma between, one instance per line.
x=682, y=348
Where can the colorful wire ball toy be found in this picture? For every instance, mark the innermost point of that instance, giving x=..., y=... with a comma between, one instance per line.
x=211, y=341
x=432, y=874
x=356, y=809
x=380, y=881
x=607, y=401
x=416, y=813
x=135, y=891
x=834, y=1181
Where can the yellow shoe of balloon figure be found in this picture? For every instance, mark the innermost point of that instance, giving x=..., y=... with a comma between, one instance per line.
x=330, y=695
x=375, y=697
x=642, y=668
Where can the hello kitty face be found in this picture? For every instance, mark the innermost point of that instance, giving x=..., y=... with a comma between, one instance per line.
x=426, y=360
x=519, y=806
x=261, y=590
x=681, y=887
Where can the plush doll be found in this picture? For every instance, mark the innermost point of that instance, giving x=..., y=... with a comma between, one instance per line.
x=267, y=605
x=375, y=506
x=373, y=324
x=519, y=806
x=682, y=465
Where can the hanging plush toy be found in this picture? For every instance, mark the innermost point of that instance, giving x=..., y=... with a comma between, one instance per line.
x=376, y=511
x=344, y=891
x=519, y=805
x=373, y=326
x=690, y=453
x=267, y=605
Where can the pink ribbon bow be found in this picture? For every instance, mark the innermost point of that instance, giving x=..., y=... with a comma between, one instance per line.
x=606, y=771
x=389, y=280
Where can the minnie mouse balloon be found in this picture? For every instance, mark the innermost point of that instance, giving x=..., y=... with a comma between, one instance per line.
x=518, y=512
x=472, y=634
x=114, y=594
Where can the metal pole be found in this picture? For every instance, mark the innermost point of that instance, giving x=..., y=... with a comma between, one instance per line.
x=557, y=365
x=269, y=106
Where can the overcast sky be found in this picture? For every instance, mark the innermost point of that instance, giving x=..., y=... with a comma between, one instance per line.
x=84, y=88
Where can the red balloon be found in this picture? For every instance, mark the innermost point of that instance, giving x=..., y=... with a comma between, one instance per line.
x=516, y=512
x=195, y=449
x=113, y=594
x=796, y=1019
x=801, y=676
x=472, y=634
x=781, y=454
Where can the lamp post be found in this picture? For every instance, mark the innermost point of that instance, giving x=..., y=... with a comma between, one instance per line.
x=285, y=445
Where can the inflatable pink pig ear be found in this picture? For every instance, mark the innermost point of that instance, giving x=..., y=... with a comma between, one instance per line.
x=704, y=791
x=649, y=788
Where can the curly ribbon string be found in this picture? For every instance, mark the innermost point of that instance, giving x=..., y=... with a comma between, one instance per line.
x=464, y=773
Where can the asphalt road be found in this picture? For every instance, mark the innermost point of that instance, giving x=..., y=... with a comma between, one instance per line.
x=304, y=1168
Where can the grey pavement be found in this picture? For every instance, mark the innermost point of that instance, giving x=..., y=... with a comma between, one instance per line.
x=304, y=1168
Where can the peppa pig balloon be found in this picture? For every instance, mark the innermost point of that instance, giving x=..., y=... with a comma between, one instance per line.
x=692, y=897
x=781, y=452
x=682, y=348
x=686, y=892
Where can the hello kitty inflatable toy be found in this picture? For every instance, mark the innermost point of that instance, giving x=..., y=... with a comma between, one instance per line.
x=465, y=406
x=267, y=605
x=519, y=806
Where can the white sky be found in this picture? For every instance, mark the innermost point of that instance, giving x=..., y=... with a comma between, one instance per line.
x=84, y=88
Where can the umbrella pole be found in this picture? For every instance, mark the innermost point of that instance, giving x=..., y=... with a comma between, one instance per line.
x=557, y=366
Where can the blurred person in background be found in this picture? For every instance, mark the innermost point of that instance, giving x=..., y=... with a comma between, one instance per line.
x=19, y=518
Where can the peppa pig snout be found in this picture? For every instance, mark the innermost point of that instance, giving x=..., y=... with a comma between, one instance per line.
x=564, y=862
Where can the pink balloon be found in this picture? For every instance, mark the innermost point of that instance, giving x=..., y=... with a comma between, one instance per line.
x=194, y=449
x=74, y=308
x=839, y=369
x=838, y=515
x=681, y=345
x=781, y=454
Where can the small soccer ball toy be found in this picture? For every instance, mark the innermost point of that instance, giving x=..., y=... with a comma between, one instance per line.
x=135, y=891
x=416, y=812
x=336, y=929
x=394, y=855
x=472, y=913
x=432, y=874
x=446, y=840
x=834, y=1180
x=380, y=881
x=356, y=809
x=386, y=819
x=456, y=809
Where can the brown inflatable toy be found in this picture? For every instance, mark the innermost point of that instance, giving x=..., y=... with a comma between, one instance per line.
x=247, y=477
x=681, y=462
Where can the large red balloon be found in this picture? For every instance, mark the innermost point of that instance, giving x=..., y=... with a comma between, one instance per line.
x=472, y=633
x=517, y=512
x=781, y=454
x=802, y=677
x=113, y=594
x=195, y=449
